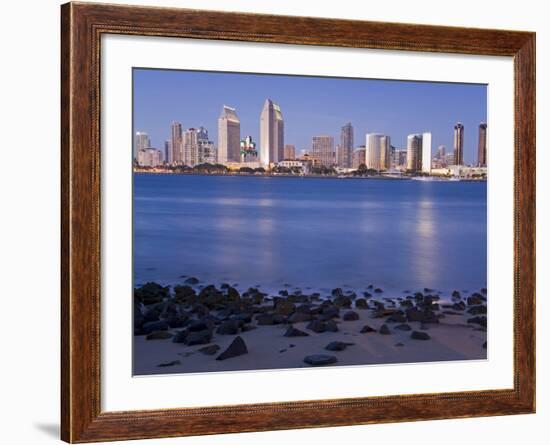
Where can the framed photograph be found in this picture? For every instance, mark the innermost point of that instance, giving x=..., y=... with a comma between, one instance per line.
x=275, y=222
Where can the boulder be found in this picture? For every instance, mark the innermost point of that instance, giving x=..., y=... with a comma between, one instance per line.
x=236, y=348
x=361, y=303
x=403, y=327
x=151, y=293
x=167, y=364
x=293, y=332
x=342, y=301
x=384, y=330
x=351, y=316
x=198, y=337
x=192, y=280
x=284, y=307
x=480, y=320
x=378, y=290
x=337, y=346
x=158, y=335
x=331, y=326
x=417, y=335
x=329, y=312
x=320, y=360
x=298, y=317
x=209, y=350
x=397, y=317
x=233, y=294
x=366, y=329
x=477, y=310
x=474, y=299
x=316, y=326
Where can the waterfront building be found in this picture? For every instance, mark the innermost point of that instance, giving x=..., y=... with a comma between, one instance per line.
x=322, y=149
x=272, y=133
x=142, y=142
x=399, y=158
x=248, y=151
x=290, y=152
x=378, y=151
x=458, y=144
x=190, y=147
x=426, y=152
x=229, y=135
x=414, y=152
x=177, y=143
x=345, y=149
x=482, y=146
x=206, y=151
x=149, y=157
x=358, y=157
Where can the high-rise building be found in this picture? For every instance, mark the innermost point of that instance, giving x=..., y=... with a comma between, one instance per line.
x=322, y=149
x=414, y=152
x=345, y=151
x=190, y=147
x=272, y=133
x=426, y=152
x=142, y=142
x=229, y=135
x=378, y=151
x=359, y=157
x=206, y=152
x=168, y=152
x=177, y=143
x=290, y=152
x=459, y=144
x=482, y=146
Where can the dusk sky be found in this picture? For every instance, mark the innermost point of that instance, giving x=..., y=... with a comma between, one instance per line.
x=311, y=106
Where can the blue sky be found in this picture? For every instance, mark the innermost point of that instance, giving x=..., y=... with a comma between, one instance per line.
x=311, y=106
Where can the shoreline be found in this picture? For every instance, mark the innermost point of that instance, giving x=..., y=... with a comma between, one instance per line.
x=199, y=327
x=284, y=175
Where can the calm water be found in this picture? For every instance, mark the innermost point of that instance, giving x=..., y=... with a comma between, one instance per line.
x=318, y=233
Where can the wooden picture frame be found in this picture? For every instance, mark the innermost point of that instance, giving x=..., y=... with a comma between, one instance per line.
x=82, y=25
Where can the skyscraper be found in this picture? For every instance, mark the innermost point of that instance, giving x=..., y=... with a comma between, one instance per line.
x=345, y=153
x=206, y=152
x=229, y=135
x=142, y=142
x=168, y=151
x=459, y=144
x=272, y=133
x=290, y=152
x=482, y=146
x=322, y=149
x=426, y=152
x=190, y=147
x=378, y=151
x=177, y=143
x=414, y=152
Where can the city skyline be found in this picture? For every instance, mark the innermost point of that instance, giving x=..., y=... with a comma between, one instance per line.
x=301, y=99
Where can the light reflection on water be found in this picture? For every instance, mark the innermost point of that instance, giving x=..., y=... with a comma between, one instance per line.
x=310, y=232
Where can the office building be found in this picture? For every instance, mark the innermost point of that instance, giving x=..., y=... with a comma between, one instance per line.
x=272, y=133
x=229, y=135
x=458, y=143
x=322, y=149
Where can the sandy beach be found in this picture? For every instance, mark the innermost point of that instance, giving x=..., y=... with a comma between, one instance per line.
x=448, y=329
